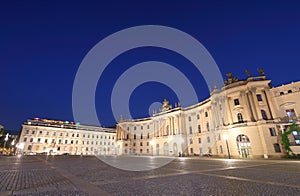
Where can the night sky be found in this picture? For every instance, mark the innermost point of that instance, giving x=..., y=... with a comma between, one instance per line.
x=42, y=44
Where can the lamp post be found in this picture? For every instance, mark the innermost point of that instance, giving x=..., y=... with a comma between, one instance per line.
x=12, y=146
x=151, y=144
x=226, y=139
x=5, y=140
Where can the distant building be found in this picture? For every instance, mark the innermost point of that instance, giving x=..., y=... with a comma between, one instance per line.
x=247, y=115
x=43, y=136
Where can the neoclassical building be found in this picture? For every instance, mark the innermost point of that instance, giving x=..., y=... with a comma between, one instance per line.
x=244, y=118
x=62, y=137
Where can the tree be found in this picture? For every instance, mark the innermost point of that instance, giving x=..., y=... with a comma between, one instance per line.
x=286, y=141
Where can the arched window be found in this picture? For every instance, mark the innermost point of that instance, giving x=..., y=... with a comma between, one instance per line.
x=134, y=136
x=167, y=130
x=191, y=130
x=264, y=114
x=127, y=136
x=141, y=136
x=207, y=127
x=240, y=118
x=289, y=91
x=244, y=146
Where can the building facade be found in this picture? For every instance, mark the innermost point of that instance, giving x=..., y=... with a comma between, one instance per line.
x=244, y=118
x=43, y=136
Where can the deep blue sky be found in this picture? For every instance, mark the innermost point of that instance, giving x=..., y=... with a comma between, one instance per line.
x=42, y=44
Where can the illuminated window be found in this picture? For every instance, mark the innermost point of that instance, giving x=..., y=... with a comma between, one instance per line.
x=240, y=117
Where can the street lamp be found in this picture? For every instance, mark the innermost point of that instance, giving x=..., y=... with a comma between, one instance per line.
x=225, y=136
x=5, y=140
x=151, y=144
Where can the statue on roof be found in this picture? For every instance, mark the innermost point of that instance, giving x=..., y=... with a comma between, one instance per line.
x=166, y=106
x=248, y=73
x=261, y=71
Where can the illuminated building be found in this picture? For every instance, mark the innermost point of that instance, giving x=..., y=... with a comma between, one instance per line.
x=43, y=136
x=250, y=114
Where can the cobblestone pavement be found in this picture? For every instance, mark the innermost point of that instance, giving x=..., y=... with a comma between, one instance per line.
x=75, y=175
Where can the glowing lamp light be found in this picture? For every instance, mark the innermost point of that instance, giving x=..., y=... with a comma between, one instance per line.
x=225, y=137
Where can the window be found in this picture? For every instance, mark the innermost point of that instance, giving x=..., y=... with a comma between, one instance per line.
x=240, y=117
x=289, y=91
x=134, y=136
x=31, y=139
x=127, y=128
x=296, y=135
x=25, y=139
x=88, y=136
x=83, y=135
x=281, y=93
x=199, y=140
x=191, y=130
x=221, y=150
x=29, y=147
x=207, y=127
x=206, y=114
x=272, y=131
x=33, y=132
x=208, y=139
x=53, y=141
x=191, y=141
x=134, y=144
x=147, y=150
x=59, y=141
x=198, y=116
x=46, y=141
x=78, y=135
x=199, y=129
x=61, y=134
x=134, y=128
x=209, y=150
x=89, y=143
x=76, y=141
x=141, y=143
x=41, y=132
x=200, y=151
x=141, y=136
x=147, y=143
x=190, y=119
x=148, y=135
x=148, y=126
x=192, y=150
x=236, y=102
x=27, y=131
x=47, y=133
x=141, y=127
x=54, y=134
x=66, y=141
x=141, y=151
x=264, y=114
x=259, y=98
x=290, y=113
x=276, y=147
x=127, y=136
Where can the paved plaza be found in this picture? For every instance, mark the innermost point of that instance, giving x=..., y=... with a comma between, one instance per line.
x=75, y=175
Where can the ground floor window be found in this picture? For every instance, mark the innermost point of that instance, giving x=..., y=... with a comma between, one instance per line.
x=276, y=147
